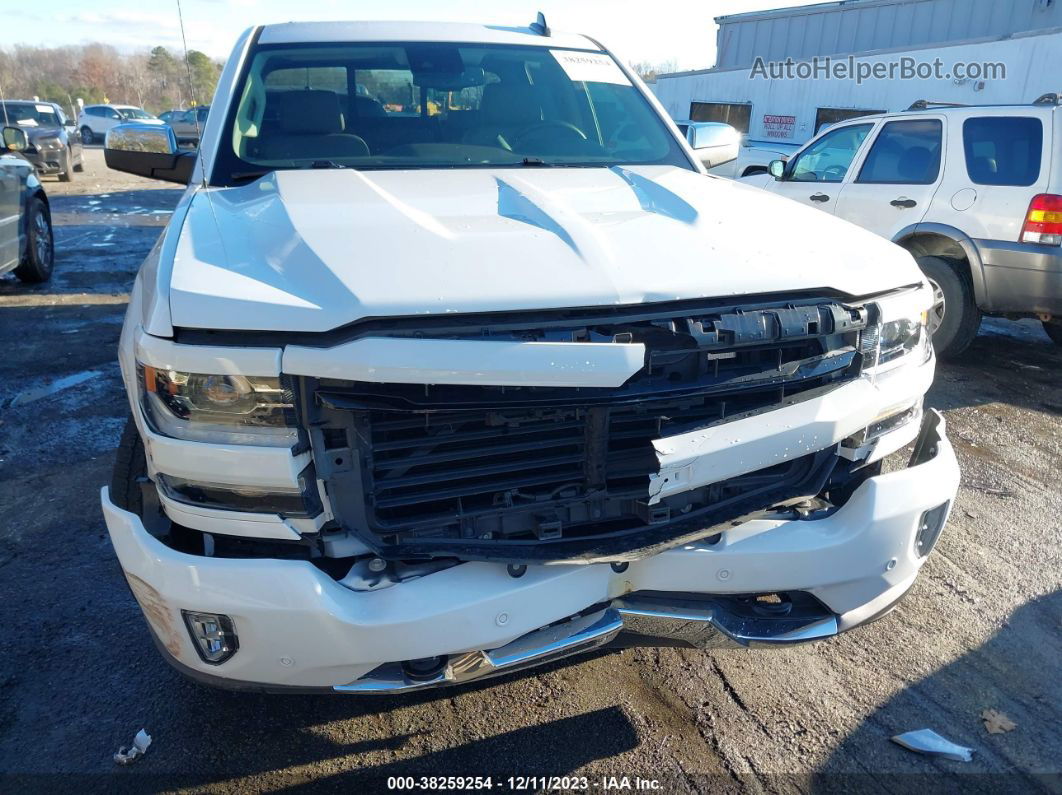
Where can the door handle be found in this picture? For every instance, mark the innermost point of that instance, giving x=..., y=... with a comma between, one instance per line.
x=819, y=197
x=908, y=203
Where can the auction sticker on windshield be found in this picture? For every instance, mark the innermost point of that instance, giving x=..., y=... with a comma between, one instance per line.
x=591, y=67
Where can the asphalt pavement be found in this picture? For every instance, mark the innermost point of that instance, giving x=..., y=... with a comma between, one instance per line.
x=79, y=675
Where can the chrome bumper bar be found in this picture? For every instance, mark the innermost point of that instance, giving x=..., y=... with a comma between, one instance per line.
x=701, y=625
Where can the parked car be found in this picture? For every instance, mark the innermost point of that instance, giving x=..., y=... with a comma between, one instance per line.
x=752, y=157
x=973, y=192
x=54, y=144
x=26, y=243
x=187, y=124
x=95, y=120
x=418, y=399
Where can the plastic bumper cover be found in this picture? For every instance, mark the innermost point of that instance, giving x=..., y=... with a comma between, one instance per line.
x=298, y=628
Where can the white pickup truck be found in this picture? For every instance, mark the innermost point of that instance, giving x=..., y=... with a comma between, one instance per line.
x=452, y=360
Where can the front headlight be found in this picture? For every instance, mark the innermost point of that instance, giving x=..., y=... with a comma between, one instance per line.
x=49, y=143
x=900, y=337
x=899, y=334
x=223, y=409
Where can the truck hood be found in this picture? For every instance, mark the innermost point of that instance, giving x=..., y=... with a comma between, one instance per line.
x=312, y=250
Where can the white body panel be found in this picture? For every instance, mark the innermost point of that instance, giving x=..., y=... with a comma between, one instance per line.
x=413, y=361
x=316, y=250
x=714, y=454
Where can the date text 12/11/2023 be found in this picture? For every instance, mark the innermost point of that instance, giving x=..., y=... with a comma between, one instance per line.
x=524, y=783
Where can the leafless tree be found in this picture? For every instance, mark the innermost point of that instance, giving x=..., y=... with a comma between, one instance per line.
x=153, y=79
x=648, y=71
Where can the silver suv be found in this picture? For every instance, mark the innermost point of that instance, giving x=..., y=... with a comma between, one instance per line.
x=973, y=192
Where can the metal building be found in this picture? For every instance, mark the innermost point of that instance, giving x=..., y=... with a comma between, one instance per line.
x=860, y=26
x=1025, y=36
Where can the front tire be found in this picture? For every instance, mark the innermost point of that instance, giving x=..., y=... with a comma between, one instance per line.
x=86, y=135
x=954, y=318
x=36, y=265
x=1054, y=330
x=130, y=468
x=67, y=174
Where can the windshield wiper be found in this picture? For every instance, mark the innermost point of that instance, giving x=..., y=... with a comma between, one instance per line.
x=239, y=175
x=250, y=174
x=536, y=162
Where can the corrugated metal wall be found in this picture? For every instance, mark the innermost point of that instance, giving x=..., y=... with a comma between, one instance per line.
x=1026, y=57
x=863, y=25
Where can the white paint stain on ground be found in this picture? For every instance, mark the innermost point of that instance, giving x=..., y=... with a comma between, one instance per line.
x=65, y=382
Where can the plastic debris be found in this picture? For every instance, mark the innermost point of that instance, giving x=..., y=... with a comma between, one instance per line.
x=927, y=741
x=138, y=749
x=996, y=722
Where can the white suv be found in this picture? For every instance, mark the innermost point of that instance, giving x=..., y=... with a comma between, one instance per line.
x=95, y=120
x=972, y=192
x=419, y=398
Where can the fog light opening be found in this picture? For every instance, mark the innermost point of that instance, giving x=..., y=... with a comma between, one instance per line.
x=425, y=668
x=888, y=421
x=929, y=528
x=213, y=636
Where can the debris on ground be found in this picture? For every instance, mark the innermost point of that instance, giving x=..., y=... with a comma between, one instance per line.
x=996, y=722
x=927, y=741
x=138, y=749
x=994, y=490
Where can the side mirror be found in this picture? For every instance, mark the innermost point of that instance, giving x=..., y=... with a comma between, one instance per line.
x=776, y=168
x=148, y=150
x=15, y=139
x=715, y=143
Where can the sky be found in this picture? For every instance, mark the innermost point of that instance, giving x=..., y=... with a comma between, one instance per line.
x=656, y=31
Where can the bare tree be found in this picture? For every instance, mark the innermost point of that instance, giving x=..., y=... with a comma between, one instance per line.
x=649, y=71
x=153, y=79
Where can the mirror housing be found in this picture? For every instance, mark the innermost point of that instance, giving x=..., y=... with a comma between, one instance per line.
x=15, y=139
x=148, y=150
x=714, y=142
x=776, y=168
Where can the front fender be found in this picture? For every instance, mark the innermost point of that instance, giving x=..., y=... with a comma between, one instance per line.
x=960, y=238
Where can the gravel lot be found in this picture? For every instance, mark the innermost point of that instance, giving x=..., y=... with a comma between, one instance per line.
x=79, y=675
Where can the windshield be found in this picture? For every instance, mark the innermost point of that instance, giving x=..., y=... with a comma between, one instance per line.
x=29, y=114
x=421, y=105
x=134, y=113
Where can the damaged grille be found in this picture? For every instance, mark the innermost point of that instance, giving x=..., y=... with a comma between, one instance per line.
x=525, y=473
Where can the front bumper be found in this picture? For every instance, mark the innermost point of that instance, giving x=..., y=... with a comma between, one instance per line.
x=47, y=161
x=299, y=628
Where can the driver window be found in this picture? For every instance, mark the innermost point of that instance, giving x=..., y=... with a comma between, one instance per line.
x=828, y=159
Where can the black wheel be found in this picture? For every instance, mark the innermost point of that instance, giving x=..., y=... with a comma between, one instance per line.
x=67, y=175
x=1054, y=330
x=80, y=166
x=37, y=261
x=130, y=467
x=86, y=135
x=954, y=318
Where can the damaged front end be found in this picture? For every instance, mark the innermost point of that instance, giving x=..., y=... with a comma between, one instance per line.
x=543, y=473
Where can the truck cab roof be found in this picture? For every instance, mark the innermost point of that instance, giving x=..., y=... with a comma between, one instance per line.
x=346, y=31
